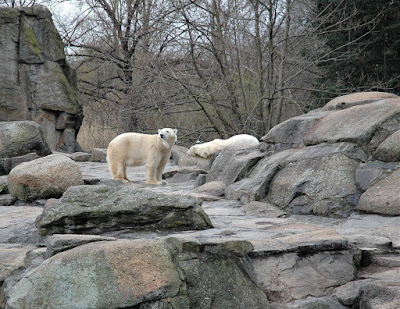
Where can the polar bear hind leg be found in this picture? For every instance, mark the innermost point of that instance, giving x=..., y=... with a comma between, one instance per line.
x=118, y=170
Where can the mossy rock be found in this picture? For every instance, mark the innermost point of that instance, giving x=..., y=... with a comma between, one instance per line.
x=30, y=49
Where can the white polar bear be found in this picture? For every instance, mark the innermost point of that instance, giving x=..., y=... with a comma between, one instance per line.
x=135, y=149
x=206, y=150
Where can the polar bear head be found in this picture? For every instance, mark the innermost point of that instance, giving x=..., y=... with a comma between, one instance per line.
x=168, y=136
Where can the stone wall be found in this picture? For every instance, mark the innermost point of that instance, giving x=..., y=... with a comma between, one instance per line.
x=36, y=82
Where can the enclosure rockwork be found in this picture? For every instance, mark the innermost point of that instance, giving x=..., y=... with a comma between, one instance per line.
x=36, y=82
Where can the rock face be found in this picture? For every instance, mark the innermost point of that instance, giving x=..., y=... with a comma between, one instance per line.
x=43, y=178
x=100, y=208
x=323, y=162
x=141, y=274
x=36, y=82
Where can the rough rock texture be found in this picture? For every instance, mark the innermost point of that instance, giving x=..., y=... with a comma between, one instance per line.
x=358, y=98
x=129, y=273
x=307, y=255
x=285, y=278
x=36, y=83
x=181, y=158
x=260, y=245
x=20, y=141
x=383, y=197
x=11, y=260
x=61, y=242
x=322, y=162
x=43, y=178
x=102, y=208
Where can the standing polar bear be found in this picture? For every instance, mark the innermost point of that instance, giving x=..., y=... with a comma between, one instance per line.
x=135, y=149
x=206, y=150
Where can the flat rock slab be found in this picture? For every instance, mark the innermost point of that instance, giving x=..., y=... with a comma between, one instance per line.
x=101, y=208
x=17, y=225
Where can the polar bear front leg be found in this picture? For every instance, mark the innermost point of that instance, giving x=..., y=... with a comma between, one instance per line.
x=151, y=175
x=160, y=170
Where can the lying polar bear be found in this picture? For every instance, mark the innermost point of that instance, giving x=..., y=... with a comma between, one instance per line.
x=135, y=149
x=206, y=150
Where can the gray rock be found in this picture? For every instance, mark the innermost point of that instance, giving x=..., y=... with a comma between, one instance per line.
x=17, y=225
x=181, y=158
x=263, y=210
x=183, y=174
x=11, y=260
x=349, y=293
x=383, y=197
x=354, y=99
x=215, y=188
x=286, y=277
x=19, y=138
x=311, y=303
x=7, y=200
x=135, y=273
x=98, y=209
x=377, y=296
x=321, y=185
x=4, y=185
x=367, y=174
x=62, y=242
x=290, y=133
x=80, y=156
x=7, y=164
x=43, y=178
x=233, y=163
x=99, y=155
x=389, y=149
x=200, y=180
x=100, y=275
x=356, y=124
x=255, y=186
x=36, y=83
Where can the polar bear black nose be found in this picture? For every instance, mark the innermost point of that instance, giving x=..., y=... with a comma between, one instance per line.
x=161, y=135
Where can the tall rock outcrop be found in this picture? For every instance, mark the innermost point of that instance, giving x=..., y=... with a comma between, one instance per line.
x=332, y=161
x=36, y=83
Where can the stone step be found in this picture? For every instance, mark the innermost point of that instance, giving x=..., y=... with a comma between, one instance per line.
x=389, y=261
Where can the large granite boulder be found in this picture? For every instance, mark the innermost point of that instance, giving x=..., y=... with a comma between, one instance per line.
x=98, y=209
x=20, y=141
x=383, y=197
x=36, y=83
x=323, y=161
x=163, y=273
x=47, y=177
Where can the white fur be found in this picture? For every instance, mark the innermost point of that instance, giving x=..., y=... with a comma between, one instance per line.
x=206, y=150
x=135, y=149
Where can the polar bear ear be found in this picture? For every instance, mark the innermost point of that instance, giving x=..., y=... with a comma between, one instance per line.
x=175, y=131
x=159, y=131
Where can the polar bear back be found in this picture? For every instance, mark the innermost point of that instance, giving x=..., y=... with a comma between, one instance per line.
x=242, y=139
x=206, y=150
x=125, y=147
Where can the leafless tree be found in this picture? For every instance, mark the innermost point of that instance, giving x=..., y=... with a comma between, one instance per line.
x=15, y=3
x=213, y=68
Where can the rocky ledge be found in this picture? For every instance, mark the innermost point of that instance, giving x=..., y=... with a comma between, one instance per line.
x=296, y=261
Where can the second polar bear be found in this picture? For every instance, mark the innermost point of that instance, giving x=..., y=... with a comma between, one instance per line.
x=206, y=150
x=135, y=149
